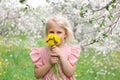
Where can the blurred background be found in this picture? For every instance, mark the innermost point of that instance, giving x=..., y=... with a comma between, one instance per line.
x=96, y=27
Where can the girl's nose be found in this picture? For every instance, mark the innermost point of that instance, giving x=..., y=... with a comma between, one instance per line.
x=55, y=33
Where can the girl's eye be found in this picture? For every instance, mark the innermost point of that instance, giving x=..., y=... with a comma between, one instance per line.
x=51, y=32
x=59, y=32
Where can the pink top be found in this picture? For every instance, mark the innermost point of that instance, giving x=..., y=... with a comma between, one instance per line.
x=40, y=56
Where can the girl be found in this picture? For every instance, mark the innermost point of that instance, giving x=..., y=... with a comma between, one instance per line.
x=63, y=54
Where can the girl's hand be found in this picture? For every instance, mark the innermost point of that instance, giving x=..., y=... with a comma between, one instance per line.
x=53, y=59
x=56, y=50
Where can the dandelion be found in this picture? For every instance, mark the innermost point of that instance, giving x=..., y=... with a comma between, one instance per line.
x=52, y=40
x=0, y=74
x=0, y=63
x=4, y=72
x=77, y=74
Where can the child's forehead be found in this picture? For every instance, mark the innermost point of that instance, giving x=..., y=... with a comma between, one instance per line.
x=56, y=28
x=55, y=25
x=52, y=22
x=56, y=21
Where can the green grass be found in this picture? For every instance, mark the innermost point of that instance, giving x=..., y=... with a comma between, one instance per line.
x=15, y=63
x=93, y=66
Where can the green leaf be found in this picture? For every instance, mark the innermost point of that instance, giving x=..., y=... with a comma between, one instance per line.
x=107, y=7
x=113, y=6
x=62, y=7
x=101, y=24
x=90, y=21
x=21, y=1
x=113, y=1
x=110, y=16
x=47, y=0
x=25, y=8
x=81, y=8
x=105, y=35
x=82, y=15
x=94, y=40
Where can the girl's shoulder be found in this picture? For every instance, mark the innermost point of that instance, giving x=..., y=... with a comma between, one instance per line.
x=37, y=52
x=74, y=53
x=38, y=49
x=73, y=47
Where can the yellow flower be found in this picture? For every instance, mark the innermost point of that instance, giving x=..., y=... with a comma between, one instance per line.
x=0, y=74
x=52, y=39
x=0, y=63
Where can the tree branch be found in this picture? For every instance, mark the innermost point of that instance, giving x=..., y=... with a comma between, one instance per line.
x=93, y=19
x=110, y=31
x=98, y=39
x=103, y=6
x=102, y=28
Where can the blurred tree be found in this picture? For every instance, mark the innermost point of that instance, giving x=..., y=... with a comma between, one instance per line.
x=94, y=23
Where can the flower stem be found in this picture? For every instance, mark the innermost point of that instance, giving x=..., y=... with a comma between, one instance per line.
x=56, y=70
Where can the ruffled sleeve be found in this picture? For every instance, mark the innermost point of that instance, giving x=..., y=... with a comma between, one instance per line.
x=74, y=55
x=35, y=55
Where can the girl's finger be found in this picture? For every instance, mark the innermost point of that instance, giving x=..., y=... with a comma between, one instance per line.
x=54, y=55
x=53, y=47
x=54, y=60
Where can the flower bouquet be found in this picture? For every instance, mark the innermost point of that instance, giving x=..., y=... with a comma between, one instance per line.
x=52, y=40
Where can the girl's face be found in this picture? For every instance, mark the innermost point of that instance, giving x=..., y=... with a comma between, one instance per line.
x=56, y=29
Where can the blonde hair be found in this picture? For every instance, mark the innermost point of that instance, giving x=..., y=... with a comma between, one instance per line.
x=63, y=23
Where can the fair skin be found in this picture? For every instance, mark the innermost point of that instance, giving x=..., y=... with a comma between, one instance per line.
x=56, y=55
